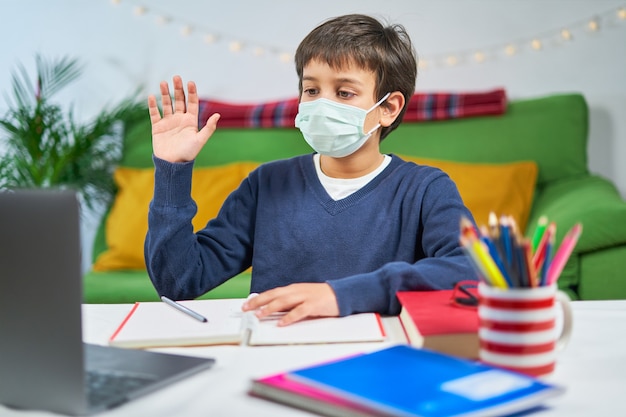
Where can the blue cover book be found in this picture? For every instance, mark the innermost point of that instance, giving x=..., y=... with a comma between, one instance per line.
x=406, y=381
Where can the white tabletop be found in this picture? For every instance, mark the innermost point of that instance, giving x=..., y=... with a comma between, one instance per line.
x=592, y=369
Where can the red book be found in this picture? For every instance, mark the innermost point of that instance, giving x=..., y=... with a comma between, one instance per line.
x=431, y=321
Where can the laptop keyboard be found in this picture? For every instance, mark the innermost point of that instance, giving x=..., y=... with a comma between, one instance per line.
x=106, y=387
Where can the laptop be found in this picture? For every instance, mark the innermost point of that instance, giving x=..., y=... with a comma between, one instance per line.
x=44, y=364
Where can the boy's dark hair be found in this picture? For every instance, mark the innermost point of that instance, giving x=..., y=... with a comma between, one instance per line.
x=385, y=50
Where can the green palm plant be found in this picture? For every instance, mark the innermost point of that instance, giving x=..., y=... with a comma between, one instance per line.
x=41, y=146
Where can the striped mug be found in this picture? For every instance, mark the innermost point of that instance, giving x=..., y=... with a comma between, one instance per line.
x=518, y=327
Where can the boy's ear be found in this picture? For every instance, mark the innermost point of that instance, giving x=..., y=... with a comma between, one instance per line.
x=391, y=108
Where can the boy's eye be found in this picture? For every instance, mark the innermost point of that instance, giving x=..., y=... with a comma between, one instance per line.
x=345, y=94
x=310, y=91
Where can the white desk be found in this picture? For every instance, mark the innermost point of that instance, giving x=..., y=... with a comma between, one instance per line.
x=592, y=368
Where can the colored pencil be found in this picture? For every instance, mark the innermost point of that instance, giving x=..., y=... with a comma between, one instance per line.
x=505, y=239
x=563, y=253
x=540, y=253
x=495, y=255
x=531, y=275
x=542, y=223
x=474, y=261
x=543, y=277
x=480, y=255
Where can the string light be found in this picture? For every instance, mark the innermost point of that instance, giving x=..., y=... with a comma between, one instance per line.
x=209, y=38
x=539, y=42
x=186, y=30
x=140, y=10
x=452, y=60
x=235, y=46
x=510, y=50
x=593, y=25
x=566, y=35
x=536, y=44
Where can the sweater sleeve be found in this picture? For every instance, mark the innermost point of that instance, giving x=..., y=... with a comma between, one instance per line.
x=440, y=265
x=183, y=264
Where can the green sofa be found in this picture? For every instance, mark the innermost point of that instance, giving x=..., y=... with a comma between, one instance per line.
x=551, y=131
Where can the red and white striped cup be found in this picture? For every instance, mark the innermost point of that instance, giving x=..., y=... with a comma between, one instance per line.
x=518, y=327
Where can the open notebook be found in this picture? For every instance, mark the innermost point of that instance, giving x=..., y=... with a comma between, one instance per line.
x=156, y=324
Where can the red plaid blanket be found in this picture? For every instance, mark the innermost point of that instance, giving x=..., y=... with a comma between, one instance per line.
x=422, y=107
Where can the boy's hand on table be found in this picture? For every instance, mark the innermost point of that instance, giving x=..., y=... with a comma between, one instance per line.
x=300, y=301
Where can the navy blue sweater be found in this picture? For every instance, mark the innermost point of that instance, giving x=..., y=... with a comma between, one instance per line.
x=399, y=232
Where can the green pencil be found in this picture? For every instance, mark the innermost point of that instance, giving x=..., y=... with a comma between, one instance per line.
x=542, y=223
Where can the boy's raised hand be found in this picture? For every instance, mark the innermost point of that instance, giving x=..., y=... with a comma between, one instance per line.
x=175, y=134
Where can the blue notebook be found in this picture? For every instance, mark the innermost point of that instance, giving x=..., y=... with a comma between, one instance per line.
x=406, y=381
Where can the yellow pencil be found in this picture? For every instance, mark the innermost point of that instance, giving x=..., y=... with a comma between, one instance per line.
x=490, y=266
x=483, y=261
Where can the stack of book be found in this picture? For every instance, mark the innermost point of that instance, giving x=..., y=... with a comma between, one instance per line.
x=433, y=321
x=405, y=381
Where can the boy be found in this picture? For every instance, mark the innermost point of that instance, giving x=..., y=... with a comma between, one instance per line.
x=331, y=233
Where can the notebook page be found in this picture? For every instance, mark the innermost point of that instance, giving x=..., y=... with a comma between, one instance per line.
x=156, y=324
x=364, y=327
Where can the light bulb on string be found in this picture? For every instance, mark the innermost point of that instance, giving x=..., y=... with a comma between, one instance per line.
x=479, y=56
x=186, y=30
x=566, y=35
x=235, y=46
x=593, y=25
x=209, y=38
x=510, y=50
x=139, y=10
x=536, y=44
x=621, y=13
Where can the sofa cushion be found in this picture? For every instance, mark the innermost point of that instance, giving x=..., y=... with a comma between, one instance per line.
x=503, y=188
x=506, y=189
x=127, y=222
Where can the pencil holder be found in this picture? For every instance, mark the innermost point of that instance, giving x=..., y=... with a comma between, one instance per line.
x=518, y=327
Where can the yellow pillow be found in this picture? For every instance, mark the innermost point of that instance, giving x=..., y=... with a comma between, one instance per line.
x=127, y=223
x=505, y=189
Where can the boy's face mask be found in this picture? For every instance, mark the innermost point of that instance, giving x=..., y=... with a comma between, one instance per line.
x=334, y=129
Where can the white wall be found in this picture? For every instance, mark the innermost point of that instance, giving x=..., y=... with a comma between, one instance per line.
x=122, y=51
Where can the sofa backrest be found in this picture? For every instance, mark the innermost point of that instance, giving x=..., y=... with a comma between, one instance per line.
x=551, y=130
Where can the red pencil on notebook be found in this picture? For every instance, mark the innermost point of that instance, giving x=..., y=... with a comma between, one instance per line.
x=563, y=253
